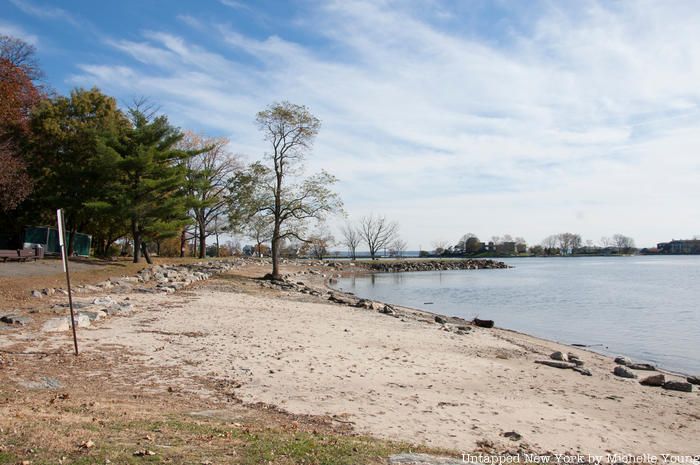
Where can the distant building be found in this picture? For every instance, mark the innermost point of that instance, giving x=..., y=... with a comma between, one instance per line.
x=506, y=248
x=689, y=246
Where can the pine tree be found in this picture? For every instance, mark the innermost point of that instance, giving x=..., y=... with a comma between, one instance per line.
x=153, y=176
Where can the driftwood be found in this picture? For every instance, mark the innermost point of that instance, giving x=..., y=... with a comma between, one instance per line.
x=483, y=323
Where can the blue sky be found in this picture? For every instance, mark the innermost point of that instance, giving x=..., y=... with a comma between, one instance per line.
x=491, y=117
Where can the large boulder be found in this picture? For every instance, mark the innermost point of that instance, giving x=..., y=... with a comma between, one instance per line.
x=654, y=380
x=624, y=372
x=681, y=386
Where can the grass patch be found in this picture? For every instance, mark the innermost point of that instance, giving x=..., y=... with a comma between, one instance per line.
x=180, y=439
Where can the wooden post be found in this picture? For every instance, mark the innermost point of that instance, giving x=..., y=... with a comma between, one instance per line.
x=64, y=258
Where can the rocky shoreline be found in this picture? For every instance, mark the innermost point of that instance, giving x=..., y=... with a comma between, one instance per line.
x=435, y=265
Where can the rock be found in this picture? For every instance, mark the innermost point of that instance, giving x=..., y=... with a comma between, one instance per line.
x=622, y=361
x=37, y=294
x=440, y=320
x=422, y=459
x=63, y=323
x=12, y=319
x=555, y=363
x=654, y=380
x=678, y=386
x=562, y=357
x=583, y=371
x=483, y=323
x=693, y=380
x=49, y=291
x=103, y=301
x=641, y=366
x=512, y=435
x=624, y=372
x=93, y=315
x=387, y=310
x=44, y=383
x=123, y=308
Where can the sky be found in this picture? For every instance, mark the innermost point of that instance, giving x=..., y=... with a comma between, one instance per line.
x=449, y=117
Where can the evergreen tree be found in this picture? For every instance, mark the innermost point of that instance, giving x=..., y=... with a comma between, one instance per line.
x=151, y=168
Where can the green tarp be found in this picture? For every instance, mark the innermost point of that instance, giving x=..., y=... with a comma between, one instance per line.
x=48, y=239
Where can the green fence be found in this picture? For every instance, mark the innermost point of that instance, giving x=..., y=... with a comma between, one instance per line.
x=48, y=239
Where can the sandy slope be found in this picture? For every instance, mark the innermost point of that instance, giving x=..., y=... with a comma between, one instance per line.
x=401, y=379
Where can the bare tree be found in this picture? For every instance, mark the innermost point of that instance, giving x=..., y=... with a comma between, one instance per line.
x=319, y=241
x=22, y=55
x=278, y=191
x=351, y=239
x=208, y=174
x=440, y=246
x=624, y=243
x=568, y=242
x=399, y=247
x=378, y=233
x=550, y=243
x=259, y=228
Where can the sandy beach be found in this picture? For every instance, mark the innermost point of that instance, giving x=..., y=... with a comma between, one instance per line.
x=400, y=377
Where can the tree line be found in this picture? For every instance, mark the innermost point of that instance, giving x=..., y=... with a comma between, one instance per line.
x=565, y=243
x=130, y=174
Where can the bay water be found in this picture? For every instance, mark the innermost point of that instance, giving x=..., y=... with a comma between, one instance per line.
x=643, y=307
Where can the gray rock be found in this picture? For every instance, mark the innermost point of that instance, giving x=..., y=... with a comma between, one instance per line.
x=555, y=364
x=422, y=459
x=641, y=366
x=622, y=361
x=63, y=323
x=387, y=310
x=49, y=291
x=440, y=320
x=37, y=294
x=678, y=386
x=12, y=319
x=44, y=383
x=103, y=301
x=562, y=357
x=583, y=371
x=693, y=380
x=654, y=380
x=624, y=372
x=93, y=315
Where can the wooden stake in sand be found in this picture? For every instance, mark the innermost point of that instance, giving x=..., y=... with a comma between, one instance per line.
x=64, y=259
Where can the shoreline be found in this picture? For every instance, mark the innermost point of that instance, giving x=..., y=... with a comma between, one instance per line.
x=609, y=354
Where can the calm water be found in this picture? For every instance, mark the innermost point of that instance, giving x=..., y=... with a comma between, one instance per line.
x=646, y=308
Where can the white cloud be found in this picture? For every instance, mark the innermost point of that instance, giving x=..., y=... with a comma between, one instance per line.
x=45, y=11
x=587, y=122
x=13, y=30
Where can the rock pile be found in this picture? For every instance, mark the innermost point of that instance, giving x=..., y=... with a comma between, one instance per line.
x=167, y=278
x=435, y=265
x=625, y=367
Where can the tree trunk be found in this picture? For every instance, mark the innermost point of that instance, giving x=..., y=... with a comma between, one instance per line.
x=146, y=255
x=137, y=241
x=202, y=240
x=71, y=240
x=276, y=253
x=183, y=242
x=216, y=233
